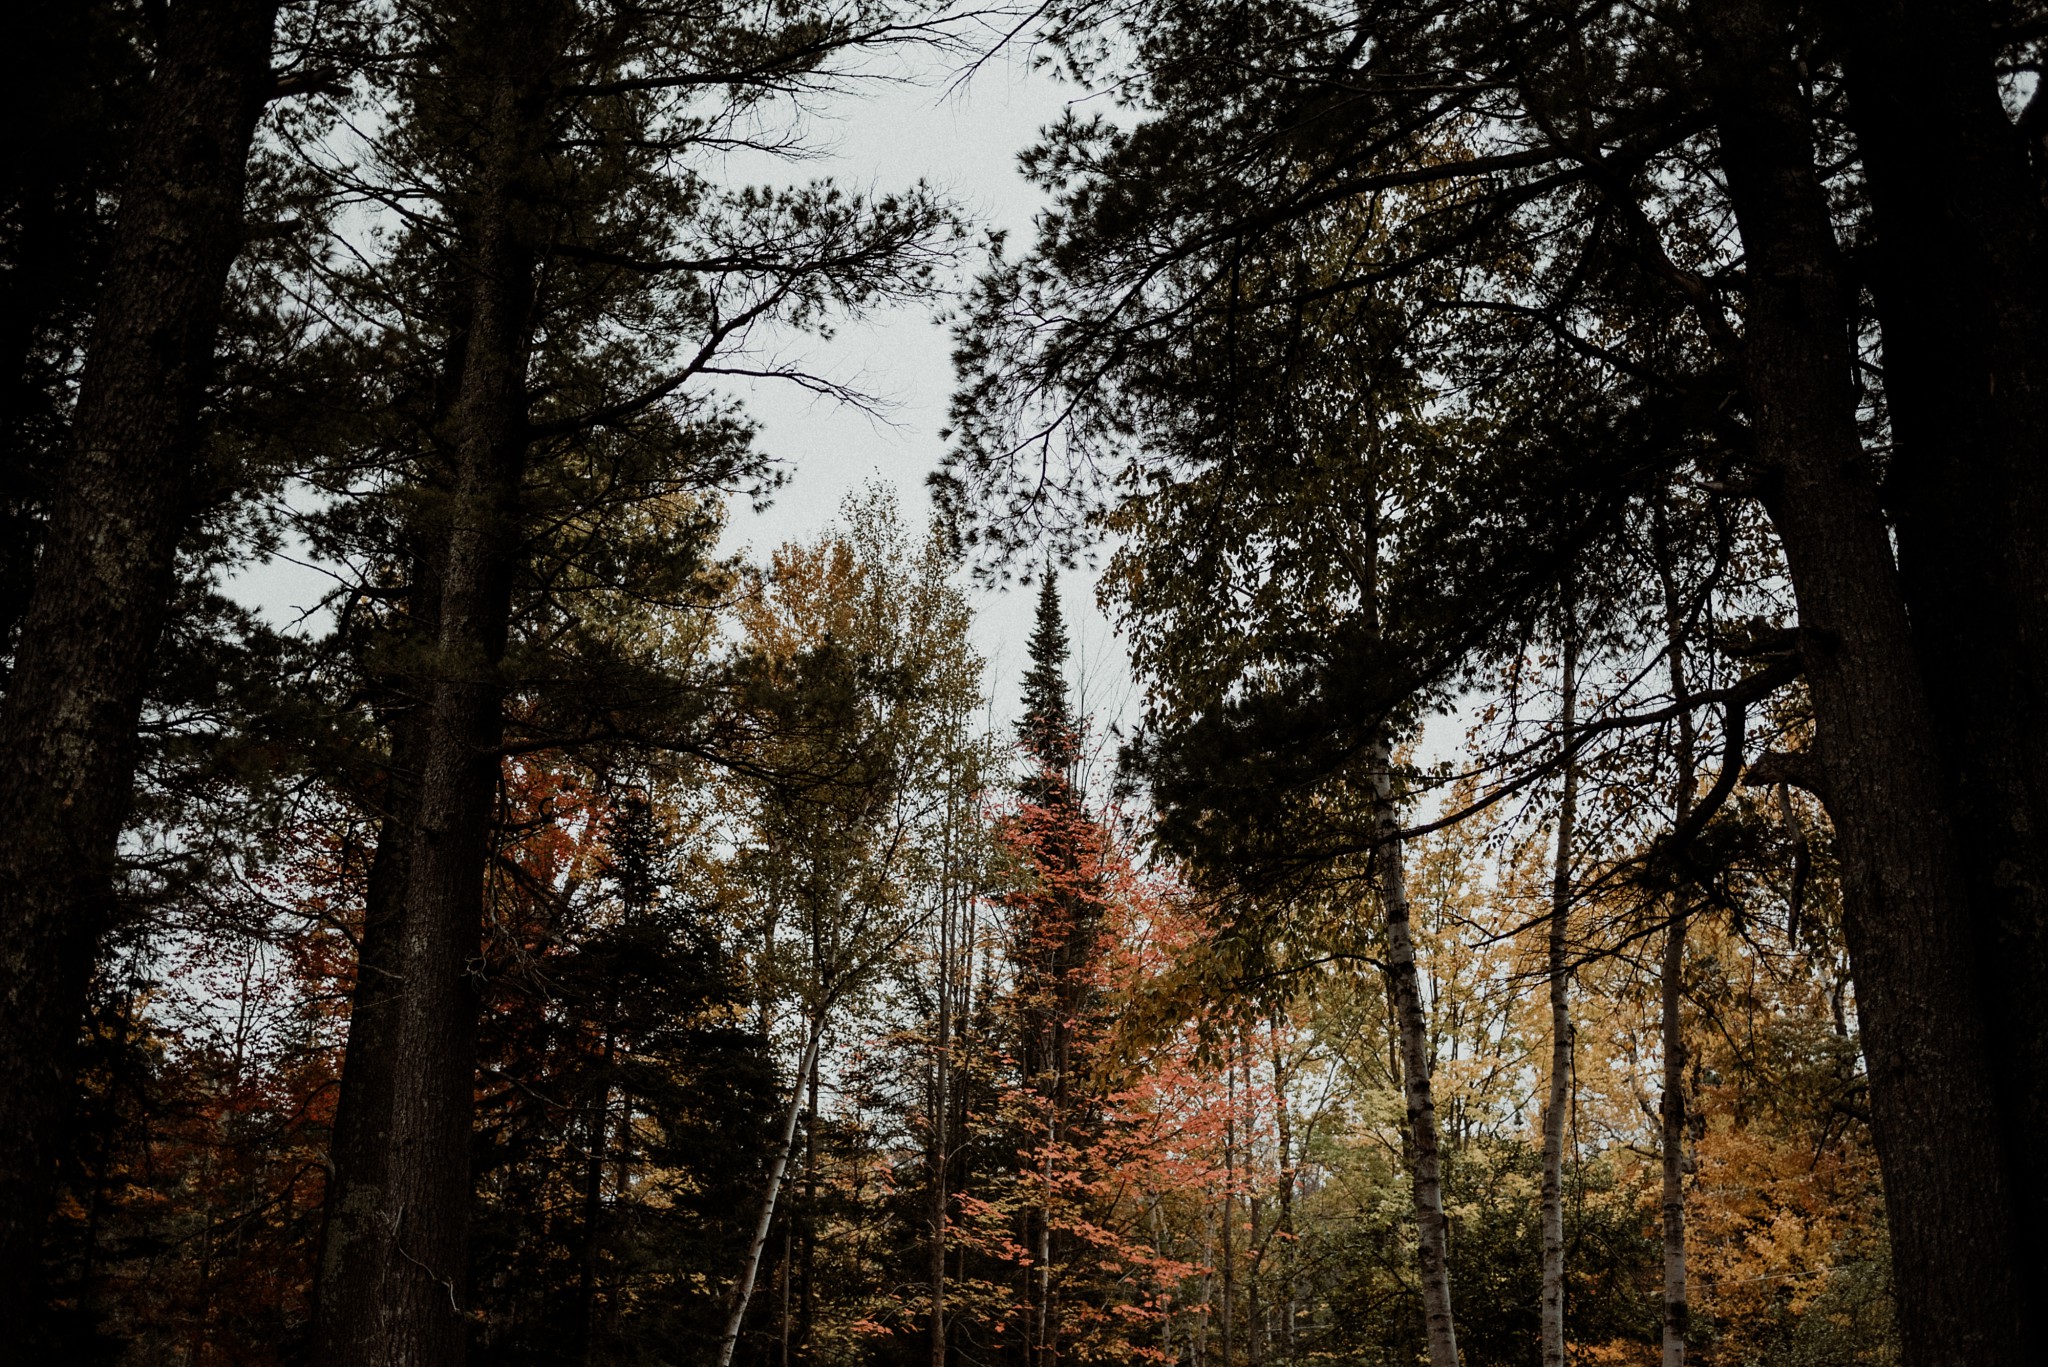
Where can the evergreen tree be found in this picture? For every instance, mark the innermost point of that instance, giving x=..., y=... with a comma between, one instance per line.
x=104, y=576
x=1615, y=243
x=1057, y=927
x=1047, y=731
x=624, y=1089
x=540, y=326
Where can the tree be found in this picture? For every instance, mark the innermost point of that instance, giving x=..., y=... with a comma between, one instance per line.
x=1056, y=919
x=566, y=322
x=846, y=820
x=103, y=578
x=622, y=1090
x=1557, y=967
x=1545, y=227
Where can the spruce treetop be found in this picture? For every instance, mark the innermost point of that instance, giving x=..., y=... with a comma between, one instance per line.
x=1048, y=730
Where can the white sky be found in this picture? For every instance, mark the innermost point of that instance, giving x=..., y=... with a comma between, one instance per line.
x=963, y=137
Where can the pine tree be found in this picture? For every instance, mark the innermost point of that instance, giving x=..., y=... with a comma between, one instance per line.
x=104, y=576
x=1047, y=731
x=1058, y=955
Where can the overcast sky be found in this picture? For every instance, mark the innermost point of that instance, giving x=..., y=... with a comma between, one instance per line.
x=962, y=135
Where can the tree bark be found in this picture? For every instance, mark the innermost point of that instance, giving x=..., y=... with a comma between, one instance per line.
x=1905, y=916
x=941, y=1103
x=1283, y=1125
x=1226, y=1319
x=591, y=1228
x=1432, y=1233
x=391, y=1292
x=1961, y=282
x=1677, y=1317
x=736, y=1315
x=359, y=1149
x=103, y=585
x=1559, y=968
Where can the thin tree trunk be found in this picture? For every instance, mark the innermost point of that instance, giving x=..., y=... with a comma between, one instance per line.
x=1934, y=1114
x=1677, y=1318
x=940, y=1160
x=806, y=1215
x=1227, y=1319
x=788, y=1282
x=1560, y=1018
x=593, y=1199
x=1042, y=1274
x=1283, y=1125
x=1412, y=1029
x=785, y=1150
x=1254, y=1249
x=103, y=584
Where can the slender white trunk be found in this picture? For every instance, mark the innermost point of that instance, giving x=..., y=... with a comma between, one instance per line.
x=745, y=1291
x=1432, y=1235
x=1560, y=1026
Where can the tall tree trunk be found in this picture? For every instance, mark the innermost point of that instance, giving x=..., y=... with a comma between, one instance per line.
x=391, y=1292
x=736, y=1313
x=807, y=1213
x=1041, y=1273
x=940, y=1162
x=1961, y=283
x=1905, y=917
x=591, y=1226
x=73, y=85
x=359, y=1149
x=1283, y=1125
x=1412, y=1030
x=1227, y=1316
x=1254, y=1247
x=103, y=584
x=1559, y=968
x=1677, y=1319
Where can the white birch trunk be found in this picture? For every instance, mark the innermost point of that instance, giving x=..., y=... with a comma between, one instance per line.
x=745, y=1291
x=1560, y=1027
x=1413, y=1029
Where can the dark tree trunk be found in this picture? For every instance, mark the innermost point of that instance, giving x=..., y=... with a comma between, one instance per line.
x=1226, y=1312
x=1283, y=1126
x=1559, y=970
x=1962, y=293
x=1906, y=918
x=1677, y=1312
x=359, y=1149
x=1677, y=1315
x=392, y=1291
x=104, y=581
x=591, y=1226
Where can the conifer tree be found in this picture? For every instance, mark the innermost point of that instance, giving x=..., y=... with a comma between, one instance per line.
x=568, y=279
x=1619, y=242
x=103, y=582
x=1058, y=952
